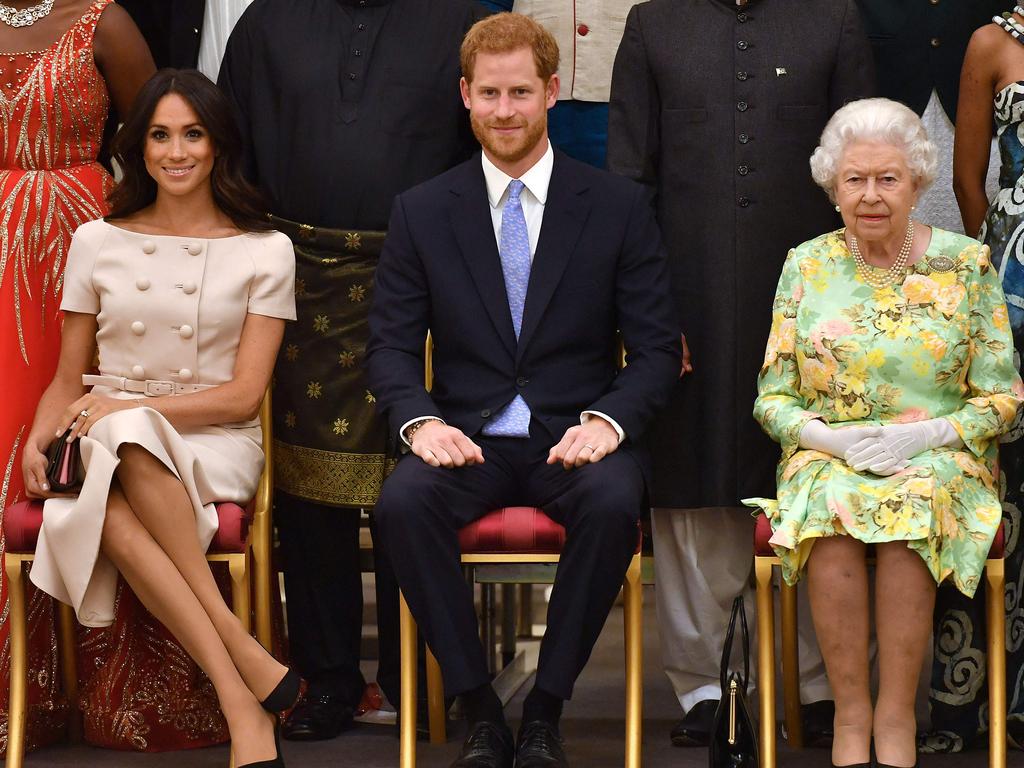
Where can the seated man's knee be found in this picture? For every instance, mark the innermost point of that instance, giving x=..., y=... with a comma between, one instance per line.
x=403, y=501
x=610, y=499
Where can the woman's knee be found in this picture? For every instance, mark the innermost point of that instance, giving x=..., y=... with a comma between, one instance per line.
x=120, y=526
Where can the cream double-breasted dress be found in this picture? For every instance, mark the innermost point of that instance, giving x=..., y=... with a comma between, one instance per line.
x=168, y=309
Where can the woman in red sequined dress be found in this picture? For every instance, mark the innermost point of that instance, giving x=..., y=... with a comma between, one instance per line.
x=62, y=64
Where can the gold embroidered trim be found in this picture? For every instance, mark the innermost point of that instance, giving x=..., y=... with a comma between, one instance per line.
x=342, y=479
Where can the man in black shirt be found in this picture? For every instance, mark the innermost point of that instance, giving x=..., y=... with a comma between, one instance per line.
x=343, y=104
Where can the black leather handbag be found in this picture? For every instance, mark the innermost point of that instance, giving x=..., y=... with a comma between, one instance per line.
x=733, y=732
x=63, y=468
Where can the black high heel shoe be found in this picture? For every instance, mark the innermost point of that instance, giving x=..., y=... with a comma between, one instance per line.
x=285, y=694
x=278, y=761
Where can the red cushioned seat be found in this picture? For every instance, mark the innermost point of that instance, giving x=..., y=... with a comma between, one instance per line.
x=23, y=520
x=521, y=530
x=763, y=532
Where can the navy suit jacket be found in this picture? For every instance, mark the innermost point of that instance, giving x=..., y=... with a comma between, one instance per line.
x=599, y=268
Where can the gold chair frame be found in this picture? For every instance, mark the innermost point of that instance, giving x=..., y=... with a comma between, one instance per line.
x=242, y=567
x=632, y=630
x=995, y=579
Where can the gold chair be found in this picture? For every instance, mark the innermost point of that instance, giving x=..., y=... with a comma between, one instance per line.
x=765, y=560
x=244, y=569
x=482, y=557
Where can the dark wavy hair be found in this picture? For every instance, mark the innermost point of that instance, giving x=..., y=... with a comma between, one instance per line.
x=242, y=202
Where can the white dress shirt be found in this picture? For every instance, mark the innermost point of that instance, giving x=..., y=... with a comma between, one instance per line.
x=533, y=199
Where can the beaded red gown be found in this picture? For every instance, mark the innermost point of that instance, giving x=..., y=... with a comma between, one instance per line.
x=139, y=689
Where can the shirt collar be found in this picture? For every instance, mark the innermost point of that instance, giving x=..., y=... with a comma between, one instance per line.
x=537, y=179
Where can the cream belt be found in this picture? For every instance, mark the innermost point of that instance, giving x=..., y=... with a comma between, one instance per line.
x=149, y=387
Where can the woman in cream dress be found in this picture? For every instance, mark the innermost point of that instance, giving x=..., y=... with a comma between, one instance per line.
x=186, y=299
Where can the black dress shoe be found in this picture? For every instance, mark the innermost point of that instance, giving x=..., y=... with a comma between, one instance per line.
x=285, y=694
x=694, y=730
x=540, y=746
x=488, y=745
x=318, y=718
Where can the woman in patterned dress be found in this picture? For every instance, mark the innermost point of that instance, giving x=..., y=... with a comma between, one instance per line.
x=58, y=75
x=887, y=378
x=991, y=91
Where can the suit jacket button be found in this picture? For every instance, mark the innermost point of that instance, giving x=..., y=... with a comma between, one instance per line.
x=486, y=413
x=521, y=382
x=186, y=331
x=148, y=246
x=138, y=327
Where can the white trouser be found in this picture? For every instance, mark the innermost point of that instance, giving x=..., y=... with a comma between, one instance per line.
x=702, y=560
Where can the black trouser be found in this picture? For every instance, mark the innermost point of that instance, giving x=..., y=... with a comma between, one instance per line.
x=320, y=549
x=422, y=508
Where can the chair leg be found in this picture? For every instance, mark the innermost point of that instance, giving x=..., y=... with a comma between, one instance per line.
x=19, y=663
x=791, y=666
x=238, y=567
x=996, y=619
x=633, y=605
x=262, y=576
x=766, y=658
x=407, y=735
x=69, y=668
x=436, y=713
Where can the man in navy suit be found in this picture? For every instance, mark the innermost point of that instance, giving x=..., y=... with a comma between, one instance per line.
x=523, y=264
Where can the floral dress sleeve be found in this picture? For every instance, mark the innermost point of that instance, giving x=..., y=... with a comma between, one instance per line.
x=779, y=407
x=991, y=384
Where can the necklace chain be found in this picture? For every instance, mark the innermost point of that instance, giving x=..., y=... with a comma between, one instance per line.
x=892, y=273
x=25, y=17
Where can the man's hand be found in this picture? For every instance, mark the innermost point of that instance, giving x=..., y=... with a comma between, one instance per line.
x=586, y=444
x=442, y=446
x=686, y=366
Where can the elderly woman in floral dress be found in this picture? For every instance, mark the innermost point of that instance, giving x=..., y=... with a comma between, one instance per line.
x=887, y=378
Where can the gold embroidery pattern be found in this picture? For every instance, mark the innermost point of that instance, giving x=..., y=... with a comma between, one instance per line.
x=370, y=398
x=353, y=241
x=340, y=426
x=344, y=479
x=314, y=390
x=357, y=293
x=300, y=287
x=291, y=353
x=346, y=359
x=321, y=323
x=289, y=420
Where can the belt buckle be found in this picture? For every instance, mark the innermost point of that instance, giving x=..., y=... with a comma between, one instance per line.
x=158, y=388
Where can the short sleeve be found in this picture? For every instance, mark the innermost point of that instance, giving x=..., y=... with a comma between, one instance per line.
x=79, y=291
x=272, y=291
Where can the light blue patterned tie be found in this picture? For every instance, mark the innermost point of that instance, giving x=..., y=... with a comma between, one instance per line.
x=514, y=419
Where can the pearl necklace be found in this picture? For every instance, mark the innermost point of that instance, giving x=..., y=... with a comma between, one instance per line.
x=892, y=273
x=25, y=17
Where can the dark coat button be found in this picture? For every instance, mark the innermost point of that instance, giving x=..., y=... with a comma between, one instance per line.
x=743, y=45
x=744, y=202
x=485, y=413
x=744, y=138
x=521, y=382
x=741, y=17
x=742, y=106
x=743, y=170
x=741, y=75
x=936, y=42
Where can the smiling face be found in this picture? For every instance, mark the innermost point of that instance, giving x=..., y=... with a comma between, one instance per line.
x=508, y=106
x=875, y=191
x=178, y=152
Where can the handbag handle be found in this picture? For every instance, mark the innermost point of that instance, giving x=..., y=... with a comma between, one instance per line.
x=737, y=610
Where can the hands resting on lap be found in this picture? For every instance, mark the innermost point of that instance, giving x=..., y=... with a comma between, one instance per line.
x=882, y=450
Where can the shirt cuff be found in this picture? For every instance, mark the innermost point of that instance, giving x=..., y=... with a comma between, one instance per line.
x=585, y=416
x=417, y=420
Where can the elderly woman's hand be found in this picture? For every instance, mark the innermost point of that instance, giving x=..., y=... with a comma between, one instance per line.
x=818, y=436
x=896, y=444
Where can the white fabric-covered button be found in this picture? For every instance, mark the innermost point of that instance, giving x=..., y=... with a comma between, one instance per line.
x=138, y=327
x=148, y=246
x=142, y=283
x=138, y=372
x=186, y=331
x=186, y=374
x=195, y=248
x=189, y=287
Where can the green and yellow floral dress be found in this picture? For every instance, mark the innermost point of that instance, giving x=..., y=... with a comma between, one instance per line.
x=938, y=345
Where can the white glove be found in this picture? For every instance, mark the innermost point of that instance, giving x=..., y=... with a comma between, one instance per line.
x=892, y=450
x=819, y=436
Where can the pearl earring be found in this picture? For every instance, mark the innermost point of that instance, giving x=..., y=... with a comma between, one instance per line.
x=837, y=207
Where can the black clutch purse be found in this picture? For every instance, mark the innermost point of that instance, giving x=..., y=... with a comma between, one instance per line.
x=733, y=733
x=62, y=468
